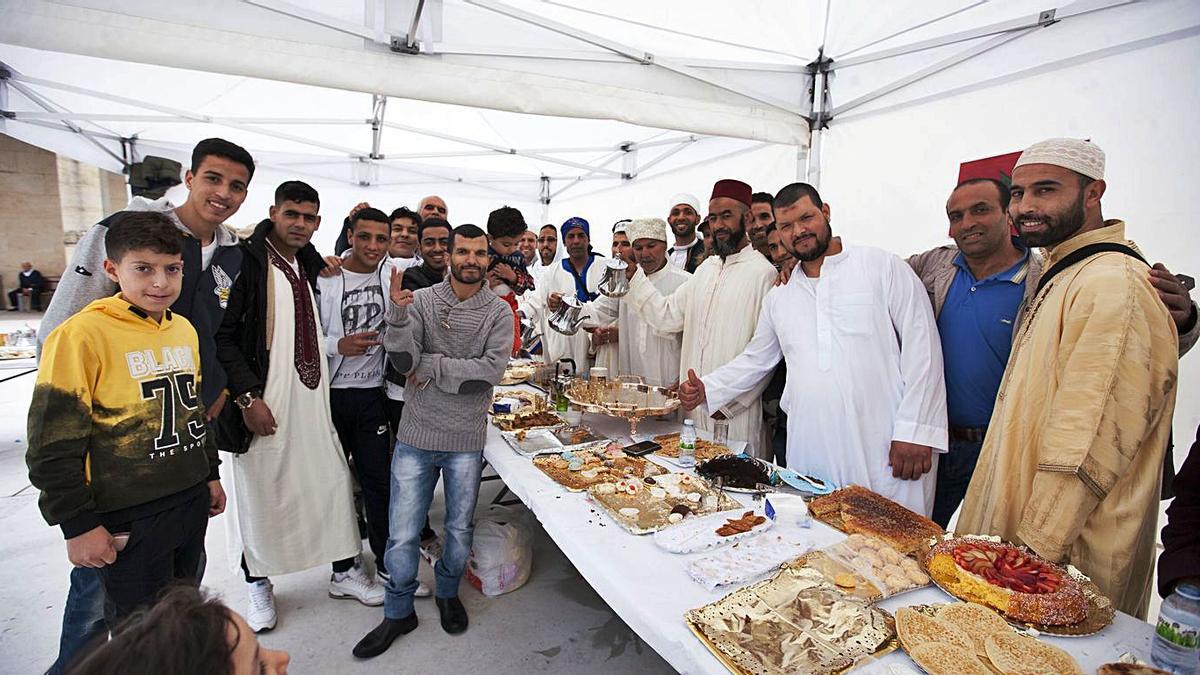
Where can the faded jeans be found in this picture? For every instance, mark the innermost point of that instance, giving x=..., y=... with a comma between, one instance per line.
x=414, y=476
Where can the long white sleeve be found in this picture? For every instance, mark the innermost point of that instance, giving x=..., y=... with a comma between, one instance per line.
x=749, y=370
x=921, y=416
x=667, y=313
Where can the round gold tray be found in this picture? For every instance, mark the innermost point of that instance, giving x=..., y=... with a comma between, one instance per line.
x=627, y=397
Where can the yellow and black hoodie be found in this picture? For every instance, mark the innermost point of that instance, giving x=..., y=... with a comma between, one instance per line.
x=116, y=428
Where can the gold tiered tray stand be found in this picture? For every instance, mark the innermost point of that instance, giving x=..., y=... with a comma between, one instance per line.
x=628, y=397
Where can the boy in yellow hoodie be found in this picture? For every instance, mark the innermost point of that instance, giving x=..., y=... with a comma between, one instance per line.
x=117, y=442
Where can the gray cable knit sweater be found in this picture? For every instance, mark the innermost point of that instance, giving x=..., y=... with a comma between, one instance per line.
x=450, y=371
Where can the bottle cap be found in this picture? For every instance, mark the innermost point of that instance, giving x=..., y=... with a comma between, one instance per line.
x=1190, y=591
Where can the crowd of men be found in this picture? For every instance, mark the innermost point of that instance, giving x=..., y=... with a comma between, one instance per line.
x=1036, y=386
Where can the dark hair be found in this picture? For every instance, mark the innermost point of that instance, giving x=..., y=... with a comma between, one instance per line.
x=552, y=227
x=623, y=221
x=405, y=212
x=506, y=222
x=761, y=198
x=373, y=215
x=467, y=231
x=794, y=192
x=136, y=230
x=433, y=221
x=1001, y=188
x=770, y=228
x=185, y=632
x=219, y=147
x=296, y=191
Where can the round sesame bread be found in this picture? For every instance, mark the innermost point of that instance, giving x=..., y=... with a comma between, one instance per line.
x=942, y=658
x=975, y=620
x=915, y=628
x=1015, y=654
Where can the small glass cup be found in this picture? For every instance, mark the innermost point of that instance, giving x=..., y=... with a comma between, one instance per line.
x=721, y=433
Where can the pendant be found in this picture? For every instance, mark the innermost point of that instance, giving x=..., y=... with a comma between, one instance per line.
x=446, y=324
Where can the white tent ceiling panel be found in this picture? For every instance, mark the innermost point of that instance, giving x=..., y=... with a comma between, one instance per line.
x=241, y=40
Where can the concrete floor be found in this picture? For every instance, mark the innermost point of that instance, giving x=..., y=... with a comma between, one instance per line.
x=555, y=623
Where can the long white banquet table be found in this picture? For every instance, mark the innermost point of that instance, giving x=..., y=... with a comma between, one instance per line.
x=650, y=590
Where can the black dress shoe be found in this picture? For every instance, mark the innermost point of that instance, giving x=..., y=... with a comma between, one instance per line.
x=454, y=615
x=381, y=637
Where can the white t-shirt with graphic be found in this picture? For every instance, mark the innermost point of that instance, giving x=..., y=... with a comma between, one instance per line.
x=362, y=310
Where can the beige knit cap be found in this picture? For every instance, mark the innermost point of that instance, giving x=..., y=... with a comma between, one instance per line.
x=647, y=228
x=1079, y=155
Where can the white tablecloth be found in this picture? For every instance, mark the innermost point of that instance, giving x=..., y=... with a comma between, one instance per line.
x=650, y=589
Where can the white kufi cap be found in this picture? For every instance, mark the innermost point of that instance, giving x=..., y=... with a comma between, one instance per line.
x=1078, y=155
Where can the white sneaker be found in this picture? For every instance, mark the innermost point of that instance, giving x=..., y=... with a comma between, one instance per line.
x=261, y=613
x=422, y=591
x=431, y=550
x=356, y=584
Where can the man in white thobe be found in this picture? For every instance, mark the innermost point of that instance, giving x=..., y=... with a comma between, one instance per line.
x=643, y=348
x=865, y=394
x=716, y=310
x=577, y=275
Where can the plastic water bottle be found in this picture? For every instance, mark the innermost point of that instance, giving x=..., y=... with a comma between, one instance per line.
x=1177, y=637
x=687, y=444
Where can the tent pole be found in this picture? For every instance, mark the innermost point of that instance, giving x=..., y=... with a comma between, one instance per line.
x=545, y=199
x=378, y=106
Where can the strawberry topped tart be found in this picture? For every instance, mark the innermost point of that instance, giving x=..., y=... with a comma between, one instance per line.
x=1016, y=582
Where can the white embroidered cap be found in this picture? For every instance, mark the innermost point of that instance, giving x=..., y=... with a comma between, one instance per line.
x=1079, y=155
x=647, y=228
x=685, y=198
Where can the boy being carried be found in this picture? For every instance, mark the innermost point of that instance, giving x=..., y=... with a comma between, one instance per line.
x=117, y=440
x=508, y=277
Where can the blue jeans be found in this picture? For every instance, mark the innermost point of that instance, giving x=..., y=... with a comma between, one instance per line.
x=954, y=472
x=414, y=476
x=83, y=618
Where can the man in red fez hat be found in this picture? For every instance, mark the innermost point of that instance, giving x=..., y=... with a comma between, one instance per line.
x=717, y=309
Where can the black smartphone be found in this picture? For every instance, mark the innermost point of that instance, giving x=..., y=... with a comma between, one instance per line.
x=642, y=448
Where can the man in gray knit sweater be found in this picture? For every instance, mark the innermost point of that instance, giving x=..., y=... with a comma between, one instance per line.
x=452, y=342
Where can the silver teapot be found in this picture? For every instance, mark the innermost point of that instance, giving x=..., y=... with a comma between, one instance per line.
x=615, y=284
x=566, y=319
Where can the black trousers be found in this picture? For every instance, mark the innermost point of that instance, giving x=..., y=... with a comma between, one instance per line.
x=162, y=548
x=360, y=417
x=35, y=298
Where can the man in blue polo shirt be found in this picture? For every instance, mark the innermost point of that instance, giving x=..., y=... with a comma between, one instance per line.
x=978, y=289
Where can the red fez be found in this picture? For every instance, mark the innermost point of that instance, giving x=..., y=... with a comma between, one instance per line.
x=734, y=189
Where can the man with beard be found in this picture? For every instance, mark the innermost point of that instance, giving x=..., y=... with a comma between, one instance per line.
x=642, y=349
x=764, y=217
x=857, y=331
x=577, y=275
x=292, y=501
x=1072, y=461
x=548, y=252
x=688, y=251
x=452, y=342
x=716, y=310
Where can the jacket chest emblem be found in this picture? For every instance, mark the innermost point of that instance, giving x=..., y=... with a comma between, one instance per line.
x=222, y=286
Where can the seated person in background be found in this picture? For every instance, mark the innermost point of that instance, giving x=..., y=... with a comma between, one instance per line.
x=32, y=284
x=183, y=633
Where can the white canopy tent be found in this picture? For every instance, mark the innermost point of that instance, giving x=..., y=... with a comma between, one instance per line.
x=605, y=107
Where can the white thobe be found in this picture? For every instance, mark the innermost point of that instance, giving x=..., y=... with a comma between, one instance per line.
x=716, y=309
x=555, y=345
x=864, y=368
x=643, y=348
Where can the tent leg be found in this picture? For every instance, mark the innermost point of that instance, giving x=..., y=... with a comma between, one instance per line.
x=812, y=173
x=545, y=200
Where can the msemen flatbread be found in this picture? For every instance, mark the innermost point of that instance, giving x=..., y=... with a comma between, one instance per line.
x=975, y=620
x=1015, y=654
x=942, y=658
x=915, y=628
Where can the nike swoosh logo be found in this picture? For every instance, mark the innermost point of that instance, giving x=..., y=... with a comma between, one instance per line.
x=382, y=430
x=80, y=269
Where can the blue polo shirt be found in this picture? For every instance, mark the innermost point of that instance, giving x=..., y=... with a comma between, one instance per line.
x=976, y=326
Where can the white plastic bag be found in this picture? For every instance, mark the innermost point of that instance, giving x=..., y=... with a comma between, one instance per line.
x=502, y=554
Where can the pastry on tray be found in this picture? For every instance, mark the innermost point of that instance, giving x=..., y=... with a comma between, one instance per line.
x=884, y=567
x=976, y=620
x=1018, y=583
x=705, y=450
x=580, y=469
x=735, y=471
x=649, y=504
x=527, y=420
x=855, y=509
x=1015, y=654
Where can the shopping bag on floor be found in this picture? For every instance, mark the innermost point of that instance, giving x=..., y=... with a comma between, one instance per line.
x=502, y=554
